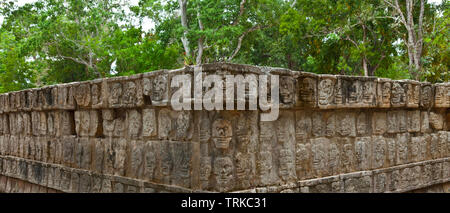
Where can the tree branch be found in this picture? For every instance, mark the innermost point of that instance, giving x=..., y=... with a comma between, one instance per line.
x=241, y=12
x=241, y=38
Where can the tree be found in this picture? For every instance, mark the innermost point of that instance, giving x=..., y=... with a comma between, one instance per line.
x=414, y=38
x=209, y=30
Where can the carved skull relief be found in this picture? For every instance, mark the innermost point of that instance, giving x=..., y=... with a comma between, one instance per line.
x=307, y=90
x=222, y=133
x=325, y=91
x=223, y=170
x=159, y=88
x=286, y=89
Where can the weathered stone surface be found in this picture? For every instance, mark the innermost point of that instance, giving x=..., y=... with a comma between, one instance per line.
x=333, y=134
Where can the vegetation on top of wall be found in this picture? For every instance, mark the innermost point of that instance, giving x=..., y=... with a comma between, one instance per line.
x=58, y=41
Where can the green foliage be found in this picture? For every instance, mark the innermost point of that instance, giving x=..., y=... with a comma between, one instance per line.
x=55, y=41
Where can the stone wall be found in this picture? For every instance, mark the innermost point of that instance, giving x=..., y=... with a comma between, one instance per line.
x=333, y=134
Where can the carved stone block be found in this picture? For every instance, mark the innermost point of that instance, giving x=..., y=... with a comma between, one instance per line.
x=346, y=124
x=307, y=87
x=398, y=94
x=436, y=120
x=120, y=149
x=412, y=94
x=379, y=149
x=424, y=122
x=441, y=97
x=98, y=155
x=223, y=171
x=115, y=94
x=164, y=124
x=362, y=153
x=87, y=123
x=135, y=169
x=134, y=123
x=326, y=91
x=380, y=182
x=287, y=90
x=150, y=160
x=68, y=150
x=320, y=159
x=379, y=124
x=149, y=127
x=83, y=94
x=426, y=96
x=413, y=121
x=160, y=90
x=402, y=148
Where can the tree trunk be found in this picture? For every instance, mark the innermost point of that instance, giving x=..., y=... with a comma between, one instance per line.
x=184, y=40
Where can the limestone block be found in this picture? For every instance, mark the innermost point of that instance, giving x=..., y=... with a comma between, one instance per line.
x=380, y=183
x=396, y=121
x=362, y=153
x=82, y=94
x=66, y=96
x=115, y=93
x=183, y=168
x=302, y=160
x=132, y=93
x=441, y=97
x=379, y=123
x=134, y=123
x=413, y=121
x=436, y=120
x=86, y=153
x=151, y=152
x=424, y=122
x=443, y=142
x=287, y=90
x=319, y=149
x=159, y=89
x=149, y=127
x=98, y=154
x=87, y=123
x=379, y=153
x=120, y=149
x=51, y=131
x=435, y=149
x=68, y=150
x=164, y=124
x=114, y=123
x=402, y=148
x=362, y=123
x=334, y=158
x=98, y=94
x=426, y=96
x=398, y=94
x=346, y=124
x=412, y=89
x=85, y=183
x=347, y=155
x=394, y=180
x=74, y=182
x=362, y=184
x=96, y=186
x=326, y=91
x=1, y=124
x=26, y=119
x=307, y=87
x=67, y=124
x=58, y=159
x=106, y=185
x=223, y=171
x=66, y=177
x=135, y=167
